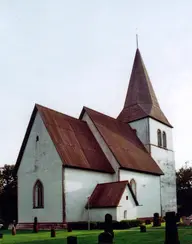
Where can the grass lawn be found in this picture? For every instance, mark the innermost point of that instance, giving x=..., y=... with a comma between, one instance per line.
x=131, y=236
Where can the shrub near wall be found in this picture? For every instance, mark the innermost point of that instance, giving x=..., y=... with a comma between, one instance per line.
x=124, y=224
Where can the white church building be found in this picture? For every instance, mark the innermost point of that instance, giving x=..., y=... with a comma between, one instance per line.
x=72, y=170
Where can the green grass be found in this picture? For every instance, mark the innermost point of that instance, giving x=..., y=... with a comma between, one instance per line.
x=131, y=236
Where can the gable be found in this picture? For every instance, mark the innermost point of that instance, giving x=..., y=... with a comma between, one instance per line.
x=72, y=139
x=126, y=147
x=40, y=155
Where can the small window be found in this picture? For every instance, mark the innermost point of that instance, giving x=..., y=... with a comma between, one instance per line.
x=37, y=138
x=38, y=195
x=125, y=214
x=164, y=140
x=159, y=140
x=133, y=186
x=126, y=197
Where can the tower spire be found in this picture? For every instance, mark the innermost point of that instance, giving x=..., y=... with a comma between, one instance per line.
x=141, y=100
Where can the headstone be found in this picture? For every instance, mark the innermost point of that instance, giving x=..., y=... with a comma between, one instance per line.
x=109, y=224
x=105, y=238
x=171, y=232
x=71, y=240
x=35, y=225
x=69, y=228
x=143, y=228
x=13, y=231
x=53, y=234
x=156, y=220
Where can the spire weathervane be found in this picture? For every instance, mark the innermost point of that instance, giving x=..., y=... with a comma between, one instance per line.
x=137, y=41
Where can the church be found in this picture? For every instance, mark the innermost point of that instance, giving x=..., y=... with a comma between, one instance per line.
x=79, y=169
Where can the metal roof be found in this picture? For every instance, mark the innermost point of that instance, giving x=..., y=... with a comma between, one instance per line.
x=141, y=100
x=108, y=195
x=123, y=142
x=73, y=141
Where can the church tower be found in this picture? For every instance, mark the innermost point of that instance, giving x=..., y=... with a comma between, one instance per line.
x=143, y=113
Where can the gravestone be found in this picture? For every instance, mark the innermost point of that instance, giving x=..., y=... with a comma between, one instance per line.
x=35, y=225
x=105, y=238
x=109, y=224
x=143, y=228
x=71, y=240
x=171, y=232
x=69, y=228
x=13, y=231
x=156, y=220
x=53, y=234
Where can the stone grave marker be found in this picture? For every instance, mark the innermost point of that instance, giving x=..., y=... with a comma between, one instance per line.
x=109, y=224
x=13, y=231
x=35, y=225
x=107, y=236
x=53, y=234
x=71, y=240
x=171, y=231
x=156, y=220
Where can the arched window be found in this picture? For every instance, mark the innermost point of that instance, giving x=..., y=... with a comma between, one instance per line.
x=38, y=195
x=164, y=140
x=125, y=214
x=134, y=186
x=159, y=139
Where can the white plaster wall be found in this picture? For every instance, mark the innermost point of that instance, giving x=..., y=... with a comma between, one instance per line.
x=98, y=214
x=166, y=160
x=103, y=145
x=49, y=171
x=128, y=205
x=148, y=192
x=79, y=184
x=142, y=127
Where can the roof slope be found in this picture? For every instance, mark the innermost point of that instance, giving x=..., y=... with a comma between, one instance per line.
x=126, y=147
x=141, y=100
x=73, y=141
x=107, y=195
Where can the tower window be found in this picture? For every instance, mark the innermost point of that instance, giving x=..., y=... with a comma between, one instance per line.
x=159, y=139
x=164, y=140
x=38, y=201
x=133, y=186
x=126, y=197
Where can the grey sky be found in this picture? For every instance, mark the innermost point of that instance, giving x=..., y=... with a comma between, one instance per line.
x=66, y=54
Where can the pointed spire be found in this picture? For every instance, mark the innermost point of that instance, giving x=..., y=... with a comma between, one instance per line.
x=141, y=100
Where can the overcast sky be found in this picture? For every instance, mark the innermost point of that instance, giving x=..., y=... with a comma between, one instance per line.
x=65, y=54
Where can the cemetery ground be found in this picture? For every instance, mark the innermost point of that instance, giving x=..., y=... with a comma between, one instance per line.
x=130, y=236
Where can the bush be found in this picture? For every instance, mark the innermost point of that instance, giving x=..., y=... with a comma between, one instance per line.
x=124, y=224
x=147, y=221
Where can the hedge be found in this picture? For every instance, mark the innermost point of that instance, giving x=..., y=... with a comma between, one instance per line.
x=124, y=224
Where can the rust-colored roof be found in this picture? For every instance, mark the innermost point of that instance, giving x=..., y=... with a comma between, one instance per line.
x=107, y=195
x=126, y=147
x=73, y=141
x=141, y=100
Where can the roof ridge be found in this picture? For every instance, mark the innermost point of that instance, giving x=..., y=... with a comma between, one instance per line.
x=56, y=111
x=113, y=182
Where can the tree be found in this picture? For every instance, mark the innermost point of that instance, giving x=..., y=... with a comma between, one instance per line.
x=184, y=190
x=8, y=194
